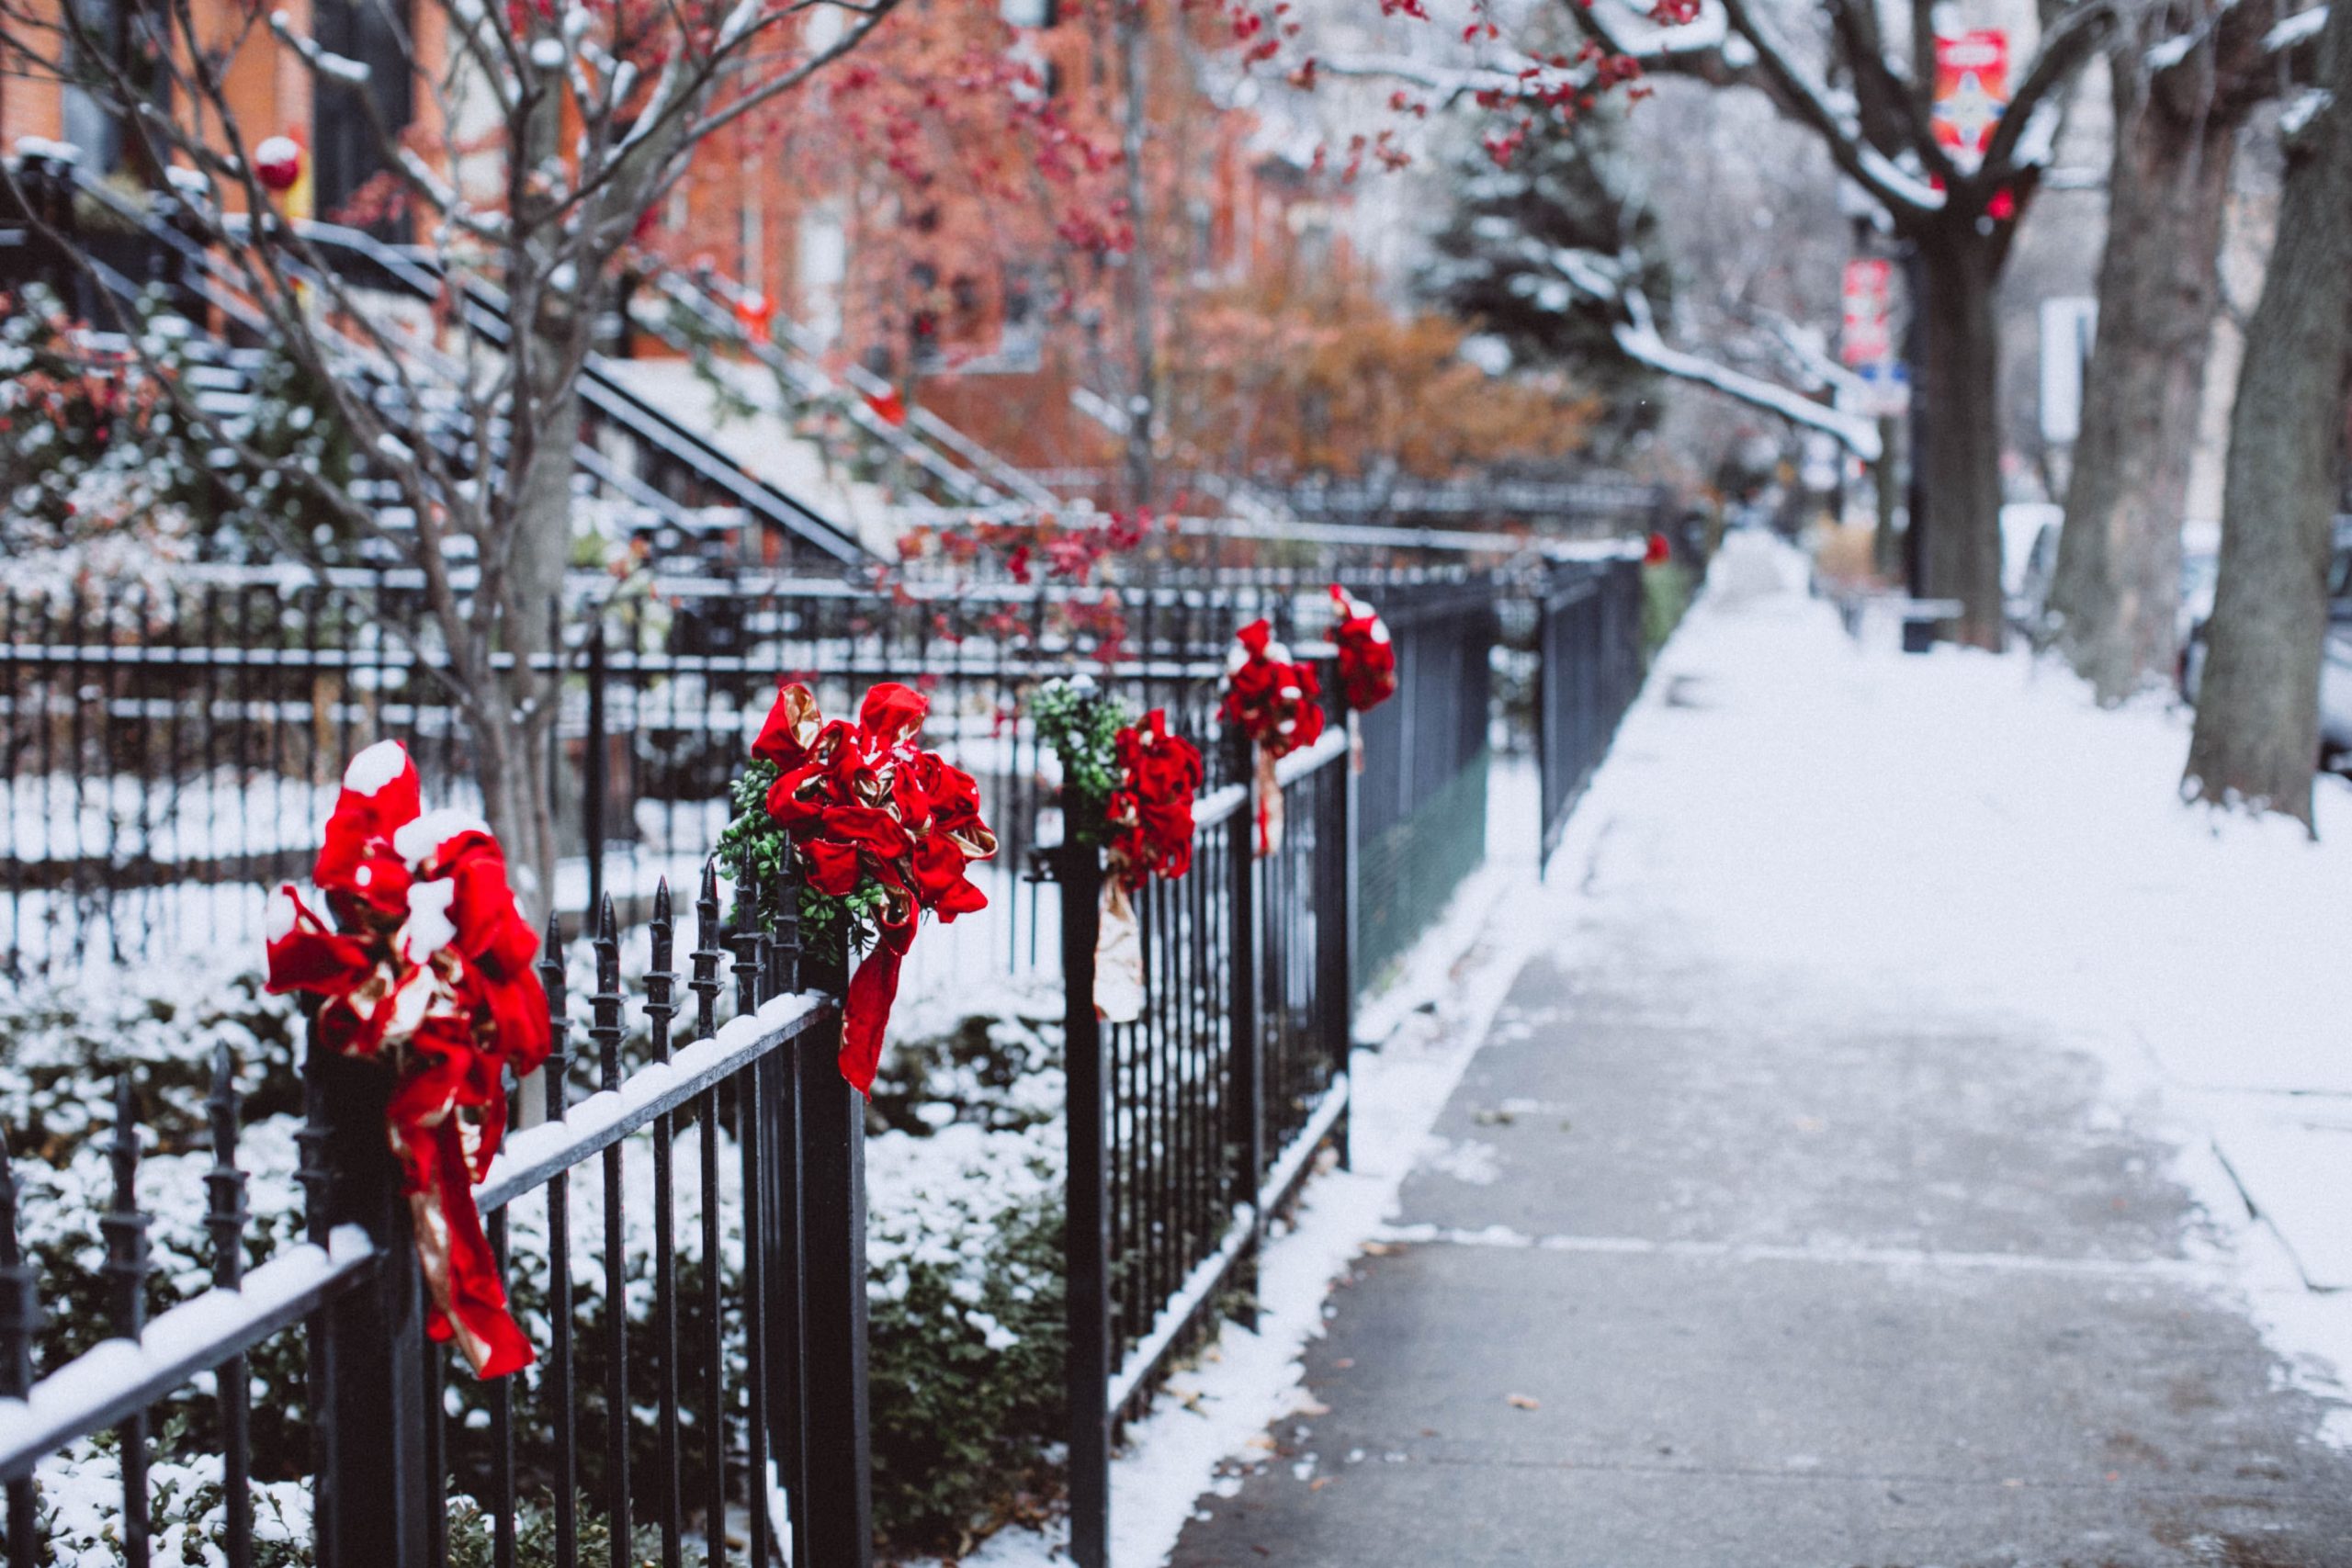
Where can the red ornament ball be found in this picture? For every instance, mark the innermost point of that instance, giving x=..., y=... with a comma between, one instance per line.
x=278, y=163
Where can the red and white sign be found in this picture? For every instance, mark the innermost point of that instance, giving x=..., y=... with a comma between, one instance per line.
x=1972, y=91
x=1868, y=336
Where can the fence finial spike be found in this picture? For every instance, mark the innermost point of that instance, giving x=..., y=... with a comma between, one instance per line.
x=124, y=1226
x=123, y=1153
x=661, y=900
x=606, y=927
x=222, y=1105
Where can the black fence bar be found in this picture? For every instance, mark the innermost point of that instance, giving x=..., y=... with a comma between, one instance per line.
x=1087, y=1236
x=839, y=1499
x=372, y=1486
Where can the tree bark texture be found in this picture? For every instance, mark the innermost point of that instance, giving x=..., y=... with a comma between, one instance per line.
x=1961, y=463
x=517, y=781
x=2256, y=742
x=2117, y=585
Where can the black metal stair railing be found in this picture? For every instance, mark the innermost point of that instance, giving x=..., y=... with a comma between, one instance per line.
x=175, y=256
x=607, y=399
x=960, y=470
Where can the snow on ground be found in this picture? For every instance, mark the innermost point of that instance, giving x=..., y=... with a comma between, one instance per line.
x=1967, y=833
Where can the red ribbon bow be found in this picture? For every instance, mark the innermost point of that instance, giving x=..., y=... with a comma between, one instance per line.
x=428, y=968
x=1273, y=700
x=1271, y=697
x=1367, y=658
x=862, y=802
x=1151, y=812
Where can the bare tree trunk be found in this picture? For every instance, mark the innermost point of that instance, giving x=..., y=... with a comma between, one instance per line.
x=1961, y=466
x=1143, y=406
x=2257, y=716
x=518, y=787
x=2118, y=584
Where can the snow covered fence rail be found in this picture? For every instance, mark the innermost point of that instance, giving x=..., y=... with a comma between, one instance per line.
x=754, y=1425
x=1188, y=1127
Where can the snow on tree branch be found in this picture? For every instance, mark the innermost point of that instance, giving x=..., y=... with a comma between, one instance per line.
x=1609, y=279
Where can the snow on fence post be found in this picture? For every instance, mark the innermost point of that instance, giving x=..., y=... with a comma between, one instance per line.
x=1246, y=1093
x=373, y=1490
x=1086, y=1232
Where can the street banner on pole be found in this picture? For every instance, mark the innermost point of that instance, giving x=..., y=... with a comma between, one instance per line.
x=1867, y=337
x=1971, y=90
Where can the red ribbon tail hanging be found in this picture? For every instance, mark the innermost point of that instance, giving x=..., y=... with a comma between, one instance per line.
x=1267, y=791
x=468, y=1303
x=867, y=1012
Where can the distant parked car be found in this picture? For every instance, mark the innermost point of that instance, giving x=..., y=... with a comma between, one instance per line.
x=2336, y=654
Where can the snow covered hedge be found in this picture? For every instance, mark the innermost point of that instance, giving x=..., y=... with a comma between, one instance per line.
x=963, y=1258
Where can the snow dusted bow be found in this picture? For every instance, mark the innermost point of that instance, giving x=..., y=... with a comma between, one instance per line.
x=879, y=824
x=1274, y=701
x=426, y=969
x=1367, y=658
x=1149, y=821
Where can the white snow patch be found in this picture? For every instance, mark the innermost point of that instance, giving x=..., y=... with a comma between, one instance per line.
x=376, y=767
x=2303, y=108
x=1468, y=1160
x=2296, y=28
x=414, y=840
x=429, y=928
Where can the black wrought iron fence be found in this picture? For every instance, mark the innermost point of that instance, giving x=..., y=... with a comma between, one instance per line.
x=753, y=1431
x=1191, y=1125
x=1422, y=827
x=168, y=749
x=1187, y=1128
x=1589, y=664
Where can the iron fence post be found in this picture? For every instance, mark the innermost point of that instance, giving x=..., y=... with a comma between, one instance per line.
x=1335, y=927
x=1087, y=1235
x=373, y=1491
x=1246, y=1092
x=836, y=1443
x=591, y=771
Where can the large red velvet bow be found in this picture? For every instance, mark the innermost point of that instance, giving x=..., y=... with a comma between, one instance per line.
x=863, y=802
x=1269, y=695
x=1367, y=658
x=1273, y=700
x=428, y=968
x=1151, y=812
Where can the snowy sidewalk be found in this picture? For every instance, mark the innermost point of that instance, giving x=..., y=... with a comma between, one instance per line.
x=1838, y=1183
